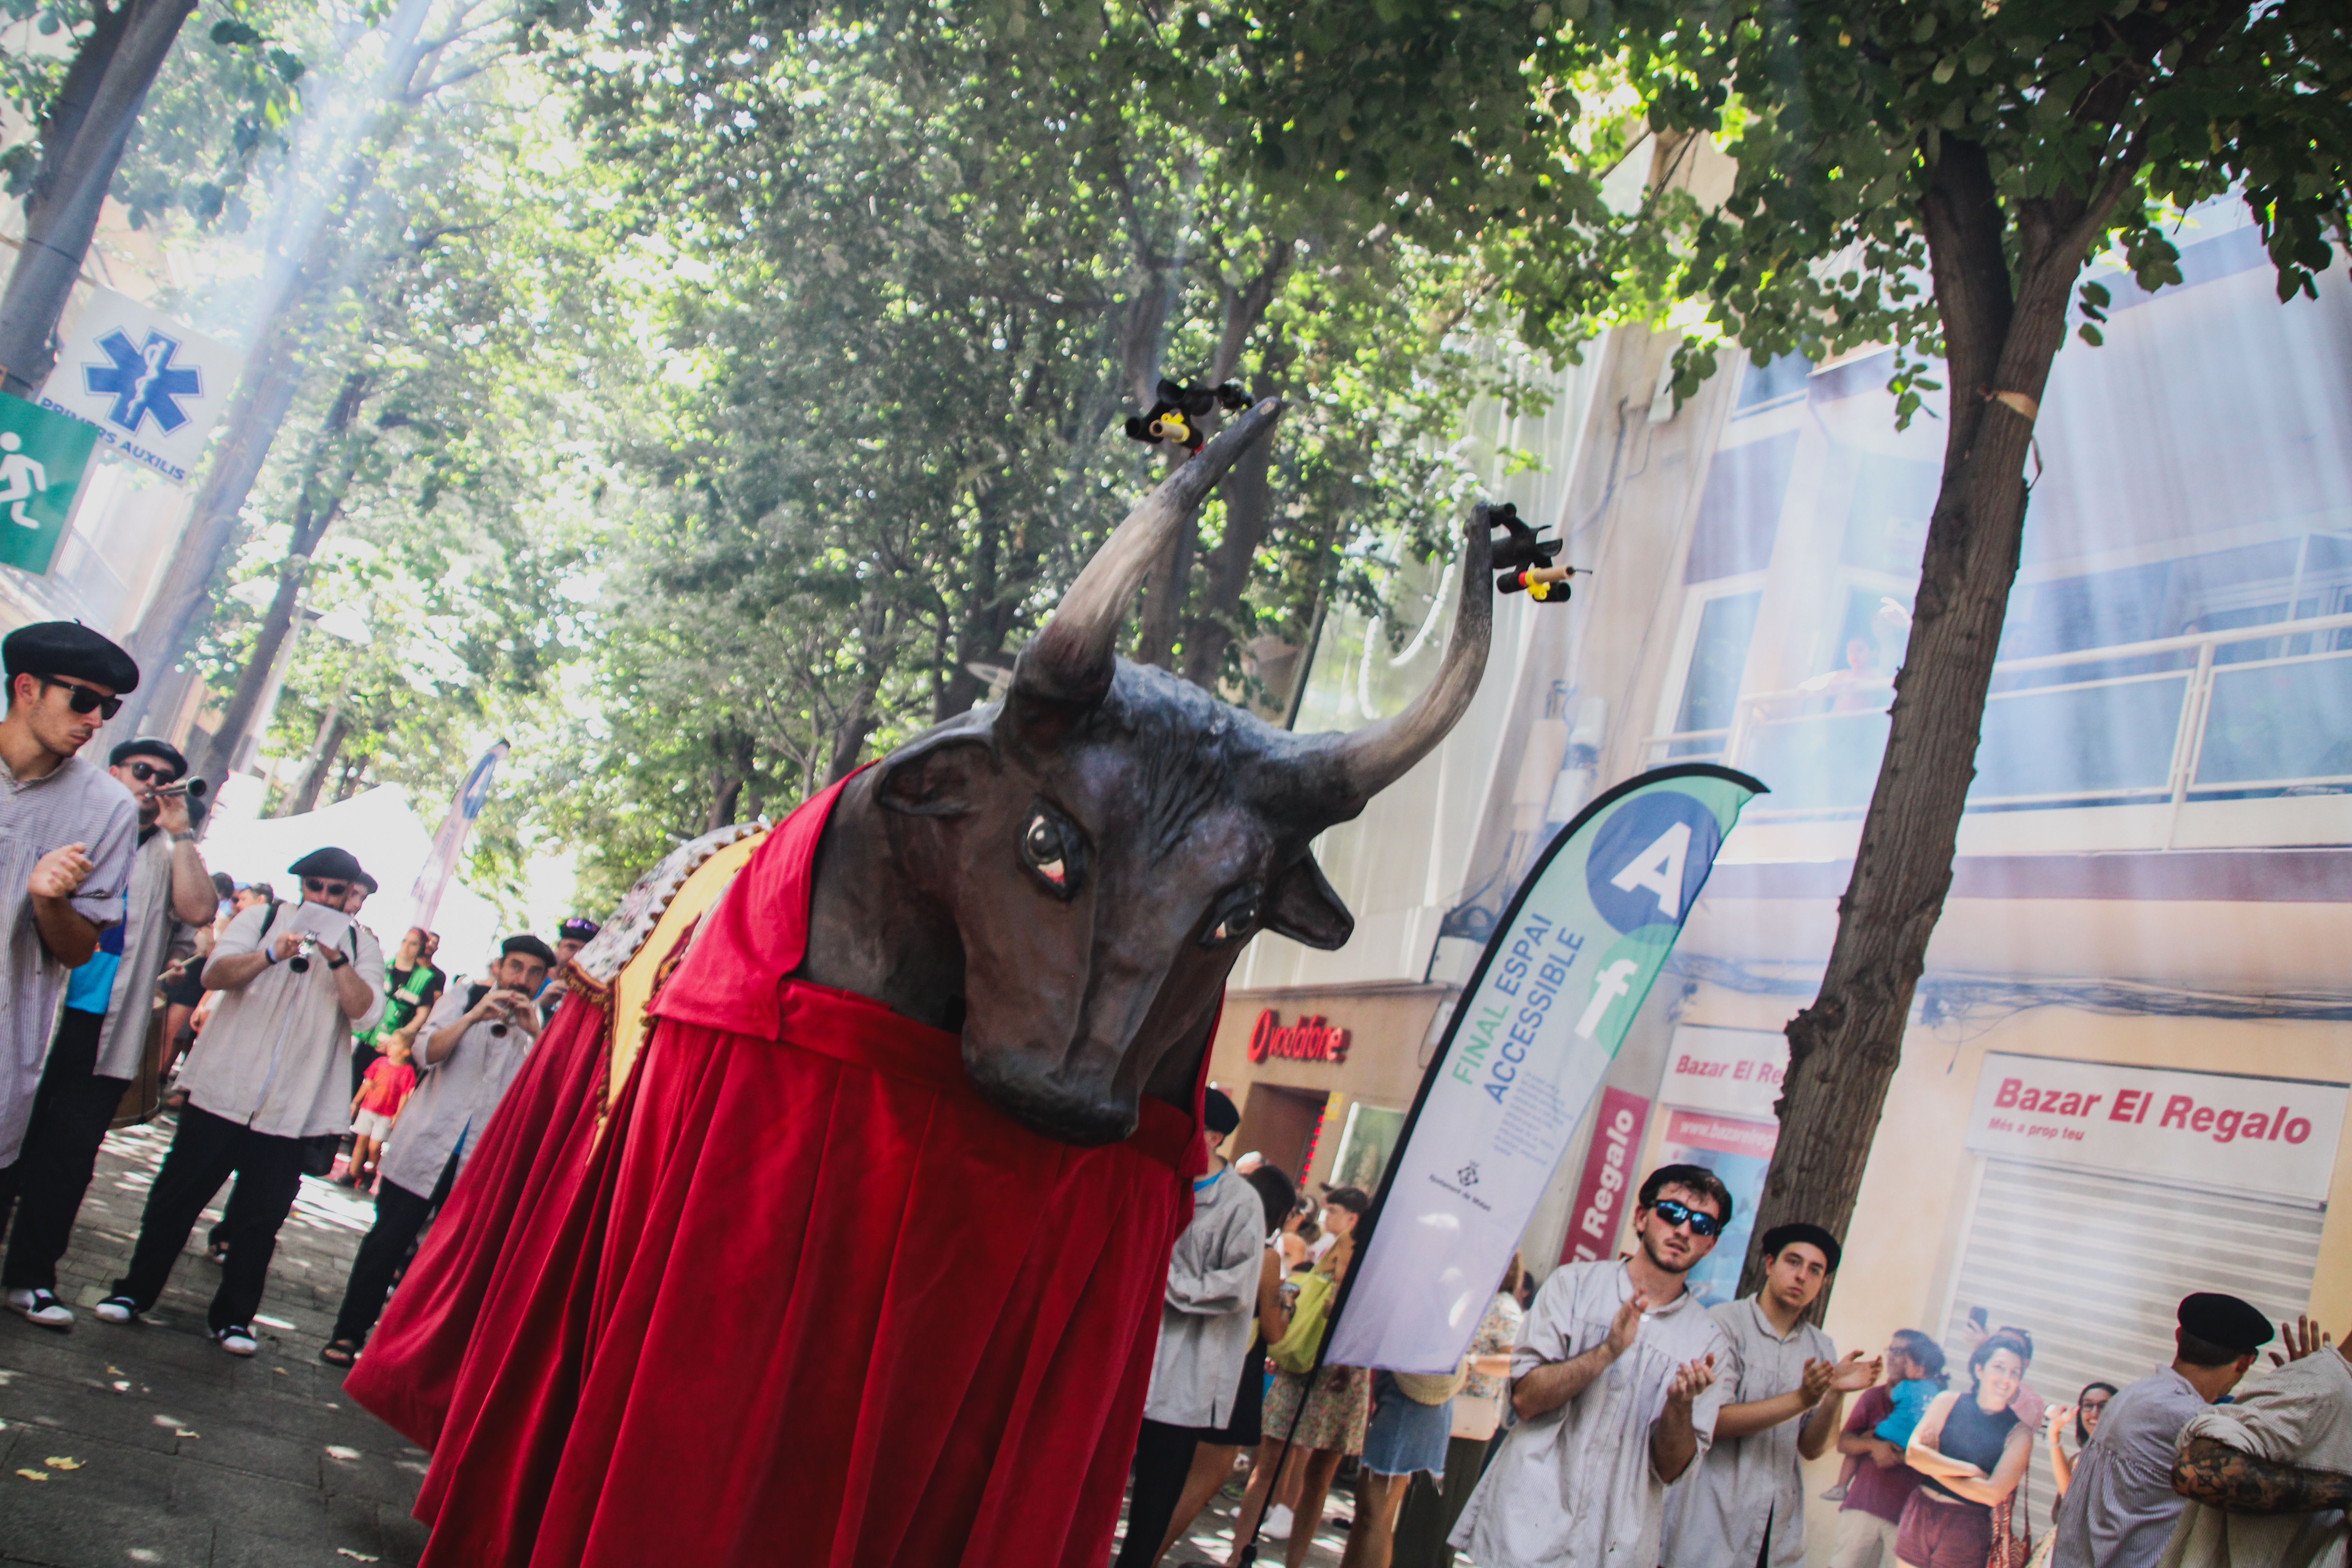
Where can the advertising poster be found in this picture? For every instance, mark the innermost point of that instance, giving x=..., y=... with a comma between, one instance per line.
x=1523, y=1058
x=1739, y=1153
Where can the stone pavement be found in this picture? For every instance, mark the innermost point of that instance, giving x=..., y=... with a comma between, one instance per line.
x=148, y=1444
x=1210, y=1538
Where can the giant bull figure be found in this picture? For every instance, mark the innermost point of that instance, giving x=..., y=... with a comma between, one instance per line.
x=859, y=1262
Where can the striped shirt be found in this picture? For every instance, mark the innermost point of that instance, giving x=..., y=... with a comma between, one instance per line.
x=73, y=803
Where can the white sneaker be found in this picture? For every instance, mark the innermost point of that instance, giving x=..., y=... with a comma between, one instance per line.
x=41, y=1307
x=236, y=1339
x=1277, y=1524
x=116, y=1309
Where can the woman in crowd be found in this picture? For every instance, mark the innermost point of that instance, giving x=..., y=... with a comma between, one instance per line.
x=1971, y=1450
x=2088, y=1406
x=1330, y=1428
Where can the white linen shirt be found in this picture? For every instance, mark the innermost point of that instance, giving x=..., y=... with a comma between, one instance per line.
x=454, y=1097
x=1204, y=1318
x=1718, y=1511
x=1575, y=1488
x=73, y=803
x=146, y=945
x=2299, y=1414
x=277, y=1056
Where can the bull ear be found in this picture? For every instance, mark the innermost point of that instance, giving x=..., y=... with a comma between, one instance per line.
x=939, y=775
x=1302, y=907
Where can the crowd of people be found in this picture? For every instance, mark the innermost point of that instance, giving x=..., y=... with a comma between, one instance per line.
x=1615, y=1422
x=1607, y=1417
x=282, y=1027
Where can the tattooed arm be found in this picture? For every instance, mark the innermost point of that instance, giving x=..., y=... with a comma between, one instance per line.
x=2209, y=1471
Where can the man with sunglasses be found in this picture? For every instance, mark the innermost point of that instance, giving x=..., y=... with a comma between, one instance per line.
x=268, y=1086
x=1745, y=1502
x=1615, y=1384
x=101, y=1034
x=67, y=836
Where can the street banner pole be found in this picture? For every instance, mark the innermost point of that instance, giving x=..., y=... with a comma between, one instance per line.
x=1522, y=1058
x=441, y=866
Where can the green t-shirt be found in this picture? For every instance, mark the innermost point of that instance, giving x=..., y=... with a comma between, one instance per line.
x=407, y=991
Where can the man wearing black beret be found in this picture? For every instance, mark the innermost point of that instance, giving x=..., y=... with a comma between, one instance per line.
x=101, y=1035
x=467, y=1053
x=267, y=1085
x=2268, y=1476
x=1745, y=1502
x=2120, y=1507
x=68, y=833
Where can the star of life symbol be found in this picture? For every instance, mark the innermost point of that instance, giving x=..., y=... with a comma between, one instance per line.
x=21, y=479
x=1468, y=1175
x=142, y=381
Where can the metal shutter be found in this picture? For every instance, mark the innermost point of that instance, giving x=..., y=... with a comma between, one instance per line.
x=2094, y=1267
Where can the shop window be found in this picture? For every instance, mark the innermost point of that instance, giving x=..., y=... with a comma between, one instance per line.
x=1284, y=1125
x=1366, y=1143
x=1718, y=662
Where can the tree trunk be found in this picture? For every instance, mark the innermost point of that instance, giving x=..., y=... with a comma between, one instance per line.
x=303, y=256
x=82, y=145
x=316, y=513
x=734, y=750
x=339, y=728
x=1844, y=1048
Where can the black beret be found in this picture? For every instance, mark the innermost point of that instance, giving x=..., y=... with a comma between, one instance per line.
x=149, y=746
x=339, y=864
x=2226, y=1322
x=1781, y=1236
x=577, y=929
x=1218, y=1112
x=68, y=647
x=370, y=883
x=530, y=947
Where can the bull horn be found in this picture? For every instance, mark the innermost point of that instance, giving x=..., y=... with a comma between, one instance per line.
x=1072, y=658
x=1368, y=760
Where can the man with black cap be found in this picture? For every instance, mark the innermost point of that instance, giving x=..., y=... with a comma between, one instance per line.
x=573, y=935
x=102, y=1030
x=2120, y=1507
x=2268, y=1476
x=466, y=1055
x=1204, y=1334
x=67, y=836
x=1745, y=1504
x=268, y=1086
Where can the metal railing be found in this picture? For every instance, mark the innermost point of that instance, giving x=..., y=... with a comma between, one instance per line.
x=2249, y=711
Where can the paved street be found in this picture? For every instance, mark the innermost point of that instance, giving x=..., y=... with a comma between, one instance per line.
x=148, y=1444
x=151, y=1445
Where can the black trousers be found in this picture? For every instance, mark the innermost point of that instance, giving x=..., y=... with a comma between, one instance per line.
x=70, y=1114
x=1163, y=1458
x=400, y=1219
x=205, y=1152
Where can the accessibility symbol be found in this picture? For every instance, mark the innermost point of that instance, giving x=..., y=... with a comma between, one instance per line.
x=142, y=381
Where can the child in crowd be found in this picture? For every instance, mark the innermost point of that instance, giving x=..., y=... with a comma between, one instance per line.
x=1914, y=1367
x=383, y=1089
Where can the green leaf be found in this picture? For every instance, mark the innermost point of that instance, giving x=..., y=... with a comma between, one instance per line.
x=237, y=35
x=2090, y=334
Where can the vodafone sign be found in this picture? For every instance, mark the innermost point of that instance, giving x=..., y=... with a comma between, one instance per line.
x=1311, y=1040
x=2268, y=1135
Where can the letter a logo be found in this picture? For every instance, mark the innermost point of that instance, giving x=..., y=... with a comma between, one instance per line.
x=1660, y=869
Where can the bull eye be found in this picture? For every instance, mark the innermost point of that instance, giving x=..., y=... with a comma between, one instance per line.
x=1234, y=920
x=1050, y=847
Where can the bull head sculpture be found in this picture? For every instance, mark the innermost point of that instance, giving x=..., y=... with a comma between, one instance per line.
x=1068, y=876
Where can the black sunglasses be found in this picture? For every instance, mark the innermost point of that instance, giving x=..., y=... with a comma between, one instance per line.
x=1701, y=1222
x=142, y=771
x=325, y=889
x=85, y=699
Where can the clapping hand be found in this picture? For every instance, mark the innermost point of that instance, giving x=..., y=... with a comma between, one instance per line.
x=1815, y=1383
x=1855, y=1372
x=60, y=873
x=1627, y=1323
x=1692, y=1379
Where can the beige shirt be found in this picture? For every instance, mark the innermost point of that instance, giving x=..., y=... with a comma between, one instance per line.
x=2299, y=1414
x=1575, y=1488
x=1719, y=1510
x=146, y=945
x=277, y=1055
x=456, y=1097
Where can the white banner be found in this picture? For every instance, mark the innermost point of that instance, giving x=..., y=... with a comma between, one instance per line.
x=2268, y=1135
x=1735, y=1070
x=154, y=388
x=1522, y=1059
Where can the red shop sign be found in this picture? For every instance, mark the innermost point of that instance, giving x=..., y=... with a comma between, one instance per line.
x=1311, y=1040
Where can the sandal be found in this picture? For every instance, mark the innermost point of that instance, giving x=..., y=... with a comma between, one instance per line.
x=339, y=1352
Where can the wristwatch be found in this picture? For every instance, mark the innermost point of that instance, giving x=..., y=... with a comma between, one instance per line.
x=337, y=963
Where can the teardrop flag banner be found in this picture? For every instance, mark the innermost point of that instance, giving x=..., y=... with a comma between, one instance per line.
x=1522, y=1058
x=440, y=868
